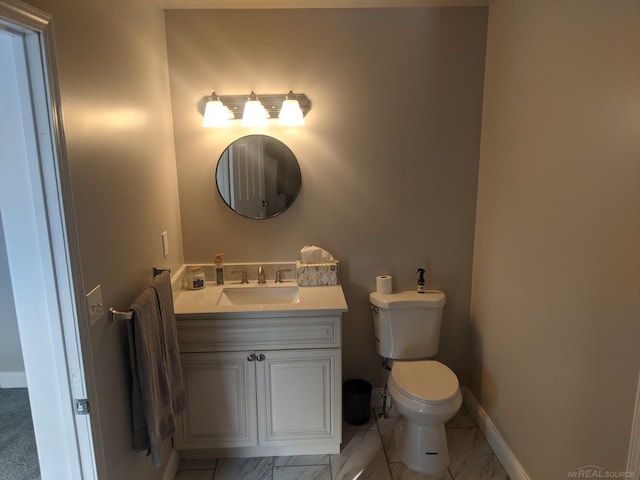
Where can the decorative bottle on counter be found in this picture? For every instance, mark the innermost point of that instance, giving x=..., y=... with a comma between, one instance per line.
x=195, y=278
x=219, y=269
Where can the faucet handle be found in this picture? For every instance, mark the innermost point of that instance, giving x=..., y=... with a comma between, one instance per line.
x=279, y=274
x=243, y=279
x=261, y=278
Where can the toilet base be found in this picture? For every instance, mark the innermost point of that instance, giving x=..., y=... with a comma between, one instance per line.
x=421, y=448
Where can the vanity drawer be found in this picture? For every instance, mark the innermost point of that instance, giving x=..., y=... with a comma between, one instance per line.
x=215, y=335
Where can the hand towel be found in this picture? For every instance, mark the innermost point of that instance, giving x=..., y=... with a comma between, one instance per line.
x=152, y=412
x=162, y=285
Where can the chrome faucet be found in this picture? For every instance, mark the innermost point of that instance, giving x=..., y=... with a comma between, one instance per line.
x=261, y=278
x=279, y=274
x=243, y=280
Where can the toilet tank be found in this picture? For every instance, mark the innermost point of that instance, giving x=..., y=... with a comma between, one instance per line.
x=407, y=324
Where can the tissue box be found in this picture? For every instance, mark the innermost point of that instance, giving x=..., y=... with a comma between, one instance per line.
x=317, y=274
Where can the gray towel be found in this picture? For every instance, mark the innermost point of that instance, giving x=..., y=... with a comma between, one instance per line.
x=152, y=412
x=162, y=285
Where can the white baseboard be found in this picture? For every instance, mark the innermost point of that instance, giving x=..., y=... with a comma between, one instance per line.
x=13, y=380
x=172, y=466
x=509, y=461
x=633, y=461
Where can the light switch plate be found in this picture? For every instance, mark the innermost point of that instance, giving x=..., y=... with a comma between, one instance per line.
x=95, y=305
x=165, y=244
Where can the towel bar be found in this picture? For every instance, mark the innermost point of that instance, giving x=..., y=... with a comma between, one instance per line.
x=158, y=271
x=128, y=315
x=116, y=315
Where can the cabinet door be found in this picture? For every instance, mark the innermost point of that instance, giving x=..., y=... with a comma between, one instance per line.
x=299, y=397
x=221, y=401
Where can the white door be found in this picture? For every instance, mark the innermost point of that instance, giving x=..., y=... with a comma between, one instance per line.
x=298, y=394
x=247, y=173
x=37, y=219
x=221, y=401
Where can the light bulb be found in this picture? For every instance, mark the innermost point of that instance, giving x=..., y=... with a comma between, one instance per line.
x=254, y=115
x=215, y=113
x=290, y=113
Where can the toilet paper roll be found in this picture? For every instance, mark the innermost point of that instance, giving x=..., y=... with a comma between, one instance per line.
x=383, y=284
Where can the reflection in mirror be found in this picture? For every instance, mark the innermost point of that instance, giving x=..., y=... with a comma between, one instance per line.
x=258, y=176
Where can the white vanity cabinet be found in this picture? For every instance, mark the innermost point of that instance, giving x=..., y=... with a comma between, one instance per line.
x=260, y=386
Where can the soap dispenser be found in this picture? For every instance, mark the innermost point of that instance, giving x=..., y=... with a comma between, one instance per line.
x=219, y=269
x=421, y=282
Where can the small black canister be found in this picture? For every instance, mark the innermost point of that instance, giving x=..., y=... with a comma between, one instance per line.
x=356, y=401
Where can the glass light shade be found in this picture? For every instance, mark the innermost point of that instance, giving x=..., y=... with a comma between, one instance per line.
x=255, y=115
x=290, y=113
x=216, y=115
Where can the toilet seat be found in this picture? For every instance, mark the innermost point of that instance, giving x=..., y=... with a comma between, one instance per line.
x=426, y=381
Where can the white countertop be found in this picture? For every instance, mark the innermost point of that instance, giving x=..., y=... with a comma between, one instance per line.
x=324, y=300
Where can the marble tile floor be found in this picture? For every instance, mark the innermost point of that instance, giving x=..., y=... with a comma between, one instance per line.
x=369, y=449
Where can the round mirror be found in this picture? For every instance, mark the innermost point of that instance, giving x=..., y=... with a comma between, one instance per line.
x=258, y=176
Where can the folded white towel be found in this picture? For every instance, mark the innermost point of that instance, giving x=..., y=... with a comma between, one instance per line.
x=313, y=254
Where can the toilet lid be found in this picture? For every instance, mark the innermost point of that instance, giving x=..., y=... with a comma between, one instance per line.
x=427, y=381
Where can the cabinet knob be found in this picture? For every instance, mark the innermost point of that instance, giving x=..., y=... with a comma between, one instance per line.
x=260, y=357
x=251, y=357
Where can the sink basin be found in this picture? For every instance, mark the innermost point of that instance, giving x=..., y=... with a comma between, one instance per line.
x=259, y=296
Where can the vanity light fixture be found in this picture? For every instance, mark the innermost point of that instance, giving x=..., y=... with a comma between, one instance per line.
x=255, y=110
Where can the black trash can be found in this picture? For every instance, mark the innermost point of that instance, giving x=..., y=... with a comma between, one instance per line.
x=356, y=401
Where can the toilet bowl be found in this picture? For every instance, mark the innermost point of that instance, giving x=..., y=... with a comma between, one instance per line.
x=427, y=394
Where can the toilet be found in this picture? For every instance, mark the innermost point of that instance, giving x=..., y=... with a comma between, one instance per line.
x=425, y=392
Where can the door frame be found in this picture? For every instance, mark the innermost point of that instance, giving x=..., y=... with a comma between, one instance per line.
x=633, y=460
x=36, y=210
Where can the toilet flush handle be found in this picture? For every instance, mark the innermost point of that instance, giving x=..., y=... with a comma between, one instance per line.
x=373, y=308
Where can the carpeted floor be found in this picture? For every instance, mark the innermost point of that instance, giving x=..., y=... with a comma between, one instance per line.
x=18, y=454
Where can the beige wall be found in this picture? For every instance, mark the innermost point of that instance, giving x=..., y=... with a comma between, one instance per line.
x=388, y=155
x=555, y=300
x=115, y=100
